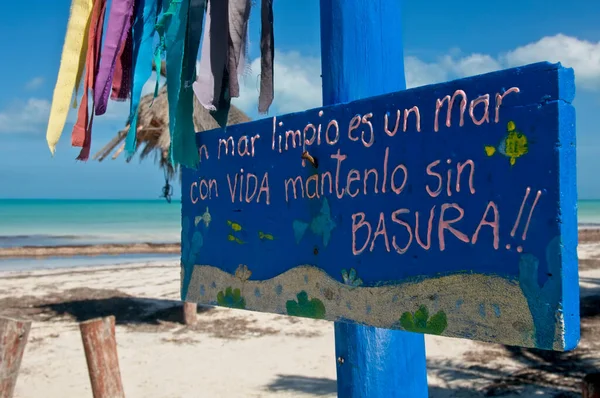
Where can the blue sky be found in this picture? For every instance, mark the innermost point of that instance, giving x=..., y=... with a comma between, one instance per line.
x=443, y=41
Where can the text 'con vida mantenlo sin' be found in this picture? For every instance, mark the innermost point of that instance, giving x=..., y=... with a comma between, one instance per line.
x=248, y=186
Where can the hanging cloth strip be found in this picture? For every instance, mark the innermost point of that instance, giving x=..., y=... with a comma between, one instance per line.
x=172, y=28
x=121, y=84
x=221, y=114
x=267, y=54
x=142, y=38
x=183, y=144
x=192, y=41
x=169, y=8
x=239, y=14
x=223, y=56
x=81, y=135
x=212, y=84
x=213, y=60
x=70, y=70
x=119, y=24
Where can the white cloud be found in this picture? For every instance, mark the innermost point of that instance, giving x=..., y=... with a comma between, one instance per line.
x=450, y=66
x=297, y=81
x=474, y=64
x=34, y=83
x=419, y=73
x=581, y=55
x=31, y=116
x=28, y=117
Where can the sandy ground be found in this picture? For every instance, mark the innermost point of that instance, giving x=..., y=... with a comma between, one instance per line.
x=232, y=353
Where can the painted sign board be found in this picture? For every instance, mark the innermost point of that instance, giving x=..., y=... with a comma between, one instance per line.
x=448, y=209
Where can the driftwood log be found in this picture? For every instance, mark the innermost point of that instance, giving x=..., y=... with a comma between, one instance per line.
x=13, y=339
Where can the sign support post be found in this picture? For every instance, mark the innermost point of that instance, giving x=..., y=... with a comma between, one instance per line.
x=362, y=56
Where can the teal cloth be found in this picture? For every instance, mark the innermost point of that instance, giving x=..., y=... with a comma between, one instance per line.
x=183, y=146
x=180, y=37
x=143, y=35
x=176, y=29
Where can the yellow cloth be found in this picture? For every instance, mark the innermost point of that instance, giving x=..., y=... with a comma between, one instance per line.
x=72, y=63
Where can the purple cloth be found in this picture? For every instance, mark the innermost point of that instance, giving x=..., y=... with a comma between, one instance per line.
x=119, y=25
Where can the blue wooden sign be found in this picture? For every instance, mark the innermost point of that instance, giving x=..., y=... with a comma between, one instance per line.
x=448, y=209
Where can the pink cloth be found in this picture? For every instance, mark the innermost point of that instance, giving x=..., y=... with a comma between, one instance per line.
x=81, y=135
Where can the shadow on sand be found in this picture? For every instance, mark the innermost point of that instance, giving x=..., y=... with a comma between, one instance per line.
x=540, y=373
x=82, y=304
x=307, y=385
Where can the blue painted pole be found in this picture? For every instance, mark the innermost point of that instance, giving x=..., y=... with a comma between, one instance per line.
x=362, y=56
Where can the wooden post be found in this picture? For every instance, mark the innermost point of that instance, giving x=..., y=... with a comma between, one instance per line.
x=190, y=311
x=13, y=339
x=591, y=386
x=362, y=56
x=100, y=346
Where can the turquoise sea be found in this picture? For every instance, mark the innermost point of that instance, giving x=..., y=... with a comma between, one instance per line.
x=588, y=213
x=75, y=222
x=39, y=222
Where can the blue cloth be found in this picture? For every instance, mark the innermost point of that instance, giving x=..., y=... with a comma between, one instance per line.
x=143, y=34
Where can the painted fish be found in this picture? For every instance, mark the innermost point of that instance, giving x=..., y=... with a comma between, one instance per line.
x=321, y=225
x=232, y=238
x=263, y=236
x=204, y=217
x=513, y=145
x=235, y=226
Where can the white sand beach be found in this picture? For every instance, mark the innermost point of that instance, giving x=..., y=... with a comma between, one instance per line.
x=234, y=353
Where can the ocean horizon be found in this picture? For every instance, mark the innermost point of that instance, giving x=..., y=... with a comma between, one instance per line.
x=66, y=222
x=73, y=222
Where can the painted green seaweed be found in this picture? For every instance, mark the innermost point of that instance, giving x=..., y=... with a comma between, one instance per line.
x=420, y=322
x=351, y=278
x=232, y=298
x=306, y=308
